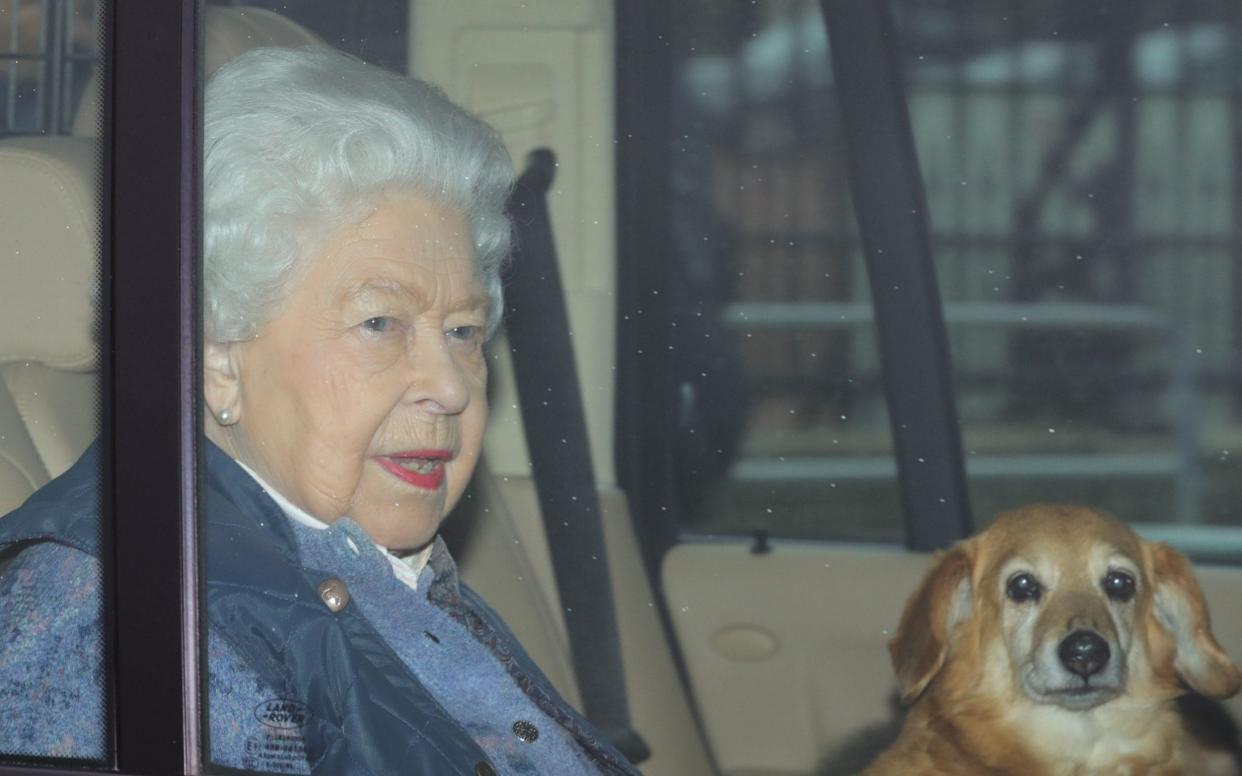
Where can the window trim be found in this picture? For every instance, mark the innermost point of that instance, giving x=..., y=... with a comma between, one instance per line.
x=643, y=445
x=150, y=381
x=152, y=384
x=153, y=376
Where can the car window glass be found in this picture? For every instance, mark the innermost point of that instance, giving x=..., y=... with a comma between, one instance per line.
x=52, y=648
x=1080, y=166
x=1080, y=182
x=778, y=405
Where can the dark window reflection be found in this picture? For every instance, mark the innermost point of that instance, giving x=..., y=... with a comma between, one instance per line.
x=781, y=418
x=1080, y=165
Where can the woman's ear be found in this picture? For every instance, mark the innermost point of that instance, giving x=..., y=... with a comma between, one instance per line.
x=222, y=382
x=925, y=634
x=1178, y=607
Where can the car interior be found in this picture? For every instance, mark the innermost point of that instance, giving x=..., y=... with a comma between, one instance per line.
x=746, y=648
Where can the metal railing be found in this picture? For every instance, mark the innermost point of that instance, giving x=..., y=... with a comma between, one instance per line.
x=1182, y=463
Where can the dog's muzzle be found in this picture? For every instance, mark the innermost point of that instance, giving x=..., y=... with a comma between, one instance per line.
x=1081, y=670
x=1084, y=653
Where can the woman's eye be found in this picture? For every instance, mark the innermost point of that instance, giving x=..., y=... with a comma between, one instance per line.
x=466, y=333
x=1119, y=586
x=380, y=324
x=1023, y=587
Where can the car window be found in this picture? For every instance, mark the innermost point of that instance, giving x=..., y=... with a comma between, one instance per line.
x=1080, y=171
x=772, y=398
x=52, y=587
x=1081, y=185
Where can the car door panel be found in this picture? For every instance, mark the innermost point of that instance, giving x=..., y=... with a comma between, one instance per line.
x=826, y=613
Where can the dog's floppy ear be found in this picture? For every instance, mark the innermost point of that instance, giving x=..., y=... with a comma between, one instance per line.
x=1179, y=608
x=923, y=638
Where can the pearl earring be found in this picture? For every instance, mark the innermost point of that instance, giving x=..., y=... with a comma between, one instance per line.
x=224, y=417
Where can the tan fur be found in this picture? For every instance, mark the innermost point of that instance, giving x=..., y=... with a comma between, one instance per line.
x=989, y=695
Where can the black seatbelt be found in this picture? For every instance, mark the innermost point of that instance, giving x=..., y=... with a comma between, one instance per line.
x=537, y=324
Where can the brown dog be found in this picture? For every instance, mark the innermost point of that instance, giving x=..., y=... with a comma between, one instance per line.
x=1055, y=642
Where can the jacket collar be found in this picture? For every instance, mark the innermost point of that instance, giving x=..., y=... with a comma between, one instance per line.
x=66, y=510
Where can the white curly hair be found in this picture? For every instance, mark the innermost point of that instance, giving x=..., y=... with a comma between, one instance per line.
x=299, y=142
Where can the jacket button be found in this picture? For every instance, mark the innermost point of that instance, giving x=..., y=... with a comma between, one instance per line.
x=525, y=731
x=334, y=594
x=483, y=769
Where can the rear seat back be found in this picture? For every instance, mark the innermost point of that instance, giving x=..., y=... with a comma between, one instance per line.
x=49, y=356
x=227, y=32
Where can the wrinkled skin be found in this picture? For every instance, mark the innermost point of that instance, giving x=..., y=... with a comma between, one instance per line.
x=376, y=351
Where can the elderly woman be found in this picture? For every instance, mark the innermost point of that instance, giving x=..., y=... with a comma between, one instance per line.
x=354, y=233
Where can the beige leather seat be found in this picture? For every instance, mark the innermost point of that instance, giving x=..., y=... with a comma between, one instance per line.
x=48, y=268
x=227, y=32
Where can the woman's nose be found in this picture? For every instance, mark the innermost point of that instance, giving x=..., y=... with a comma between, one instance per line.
x=438, y=384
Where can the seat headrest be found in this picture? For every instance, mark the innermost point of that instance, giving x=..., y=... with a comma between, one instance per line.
x=233, y=31
x=49, y=262
x=228, y=32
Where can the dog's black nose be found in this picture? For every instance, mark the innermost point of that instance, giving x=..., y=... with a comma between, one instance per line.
x=1083, y=652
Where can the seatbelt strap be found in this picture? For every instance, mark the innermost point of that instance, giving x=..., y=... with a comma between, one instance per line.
x=540, y=339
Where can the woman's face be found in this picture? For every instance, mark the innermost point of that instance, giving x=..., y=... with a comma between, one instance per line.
x=365, y=395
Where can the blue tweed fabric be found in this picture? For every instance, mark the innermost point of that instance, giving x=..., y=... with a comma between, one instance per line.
x=462, y=674
x=398, y=680
x=51, y=654
x=459, y=671
x=49, y=597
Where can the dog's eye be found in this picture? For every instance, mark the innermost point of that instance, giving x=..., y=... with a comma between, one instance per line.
x=1023, y=587
x=1119, y=585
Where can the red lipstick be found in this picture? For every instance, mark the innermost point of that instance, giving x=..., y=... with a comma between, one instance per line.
x=420, y=468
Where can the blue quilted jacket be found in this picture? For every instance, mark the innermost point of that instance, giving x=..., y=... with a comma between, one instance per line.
x=354, y=703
